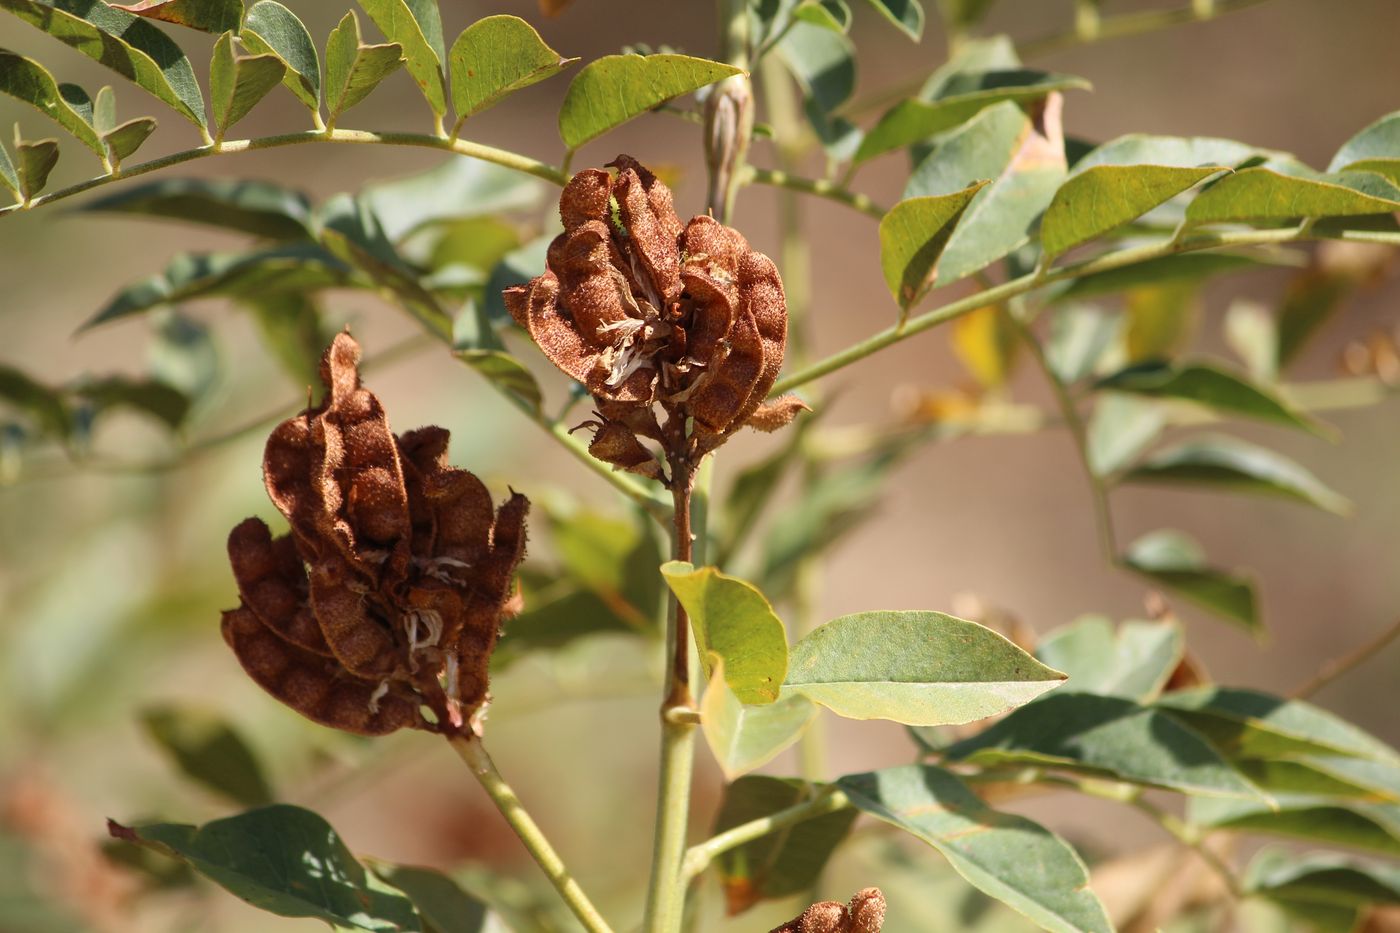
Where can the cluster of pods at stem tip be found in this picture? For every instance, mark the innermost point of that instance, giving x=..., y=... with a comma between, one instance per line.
x=864, y=913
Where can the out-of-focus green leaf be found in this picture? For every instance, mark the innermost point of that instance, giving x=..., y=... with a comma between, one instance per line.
x=1209, y=385
x=182, y=354
x=354, y=69
x=822, y=62
x=907, y=15
x=1327, y=891
x=214, y=16
x=1079, y=335
x=238, y=82
x=417, y=26
x=1324, y=776
x=1233, y=465
x=497, y=56
x=1175, y=561
x=913, y=237
x=1008, y=857
x=41, y=403
x=145, y=396
x=506, y=372
x=440, y=901
x=742, y=736
x=962, y=98
x=964, y=13
x=1106, y=736
x=1261, y=194
x=827, y=14
x=1356, y=824
x=1159, y=320
x=292, y=328
x=1380, y=140
x=1313, y=297
x=615, y=558
x=986, y=343
x=9, y=175
x=207, y=749
x=133, y=48
x=37, y=159
x=731, y=619
x=552, y=621
x=260, y=208
x=1133, y=662
x=272, y=29
x=1178, y=151
x=752, y=490
x=613, y=89
x=518, y=267
x=457, y=188
x=29, y=81
x=286, y=861
x=918, y=668
x=1183, y=267
x=1252, y=332
x=1100, y=199
x=778, y=864
x=1120, y=428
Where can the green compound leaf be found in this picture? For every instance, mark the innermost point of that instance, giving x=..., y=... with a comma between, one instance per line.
x=1133, y=662
x=822, y=62
x=733, y=620
x=238, y=82
x=442, y=903
x=1328, y=892
x=29, y=81
x=779, y=864
x=417, y=26
x=1371, y=827
x=1166, y=270
x=123, y=140
x=913, y=236
x=144, y=396
x=965, y=96
x=1212, y=386
x=1175, y=561
x=1233, y=465
x=1261, y=194
x=907, y=15
x=1100, y=199
x=1107, y=737
x=608, y=92
x=497, y=56
x=506, y=372
x=915, y=667
x=1007, y=857
x=1374, y=149
x=286, y=861
x=272, y=29
x=36, y=160
x=744, y=737
x=354, y=69
x=455, y=188
x=205, y=748
x=127, y=44
x=260, y=208
x=214, y=16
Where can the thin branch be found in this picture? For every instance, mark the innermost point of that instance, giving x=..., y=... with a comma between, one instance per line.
x=698, y=857
x=502, y=157
x=1338, y=666
x=484, y=769
x=820, y=187
x=1087, y=32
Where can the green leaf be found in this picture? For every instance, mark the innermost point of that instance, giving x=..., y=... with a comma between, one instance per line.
x=1079, y=335
x=125, y=43
x=1175, y=561
x=965, y=13
x=286, y=861
x=613, y=557
x=1120, y=428
x=497, y=56
x=918, y=668
x=1101, y=199
x=506, y=372
x=43, y=405
x=1233, y=465
x=913, y=236
x=1313, y=298
x=182, y=354
x=608, y=92
x=1008, y=857
x=551, y=620
x=148, y=397
x=822, y=62
x=260, y=208
x=965, y=96
x=518, y=267
x=1251, y=330
x=354, y=69
x=834, y=15
x=1165, y=270
x=454, y=189
x=1106, y=736
x=28, y=81
x=1261, y=194
x=908, y=15
x=291, y=326
x=9, y=175
x=779, y=864
x=1212, y=386
x=1326, y=890
x=752, y=491
x=1025, y=159
x=36, y=160
x=214, y=16
x=417, y=26
x=125, y=139
x=1178, y=151
x=1133, y=662
x=1159, y=320
x=1324, y=776
x=238, y=82
x=1355, y=824
x=732, y=619
x=272, y=29
x=1379, y=142
x=743, y=737
x=205, y=748
x=443, y=905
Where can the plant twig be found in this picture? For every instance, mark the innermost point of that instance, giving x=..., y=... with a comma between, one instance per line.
x=820, y=187
x=484, y=769
x=1087, y=32
x=1338, y=666
x=698, y=857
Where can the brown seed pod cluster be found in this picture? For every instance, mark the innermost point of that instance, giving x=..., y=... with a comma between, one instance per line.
x=648, y=313
x=387, y=595
x=864, y=914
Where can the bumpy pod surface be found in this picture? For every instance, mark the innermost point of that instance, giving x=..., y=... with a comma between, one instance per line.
x=865, y=913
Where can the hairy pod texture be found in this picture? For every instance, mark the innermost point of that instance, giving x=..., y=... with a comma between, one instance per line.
x=865, y=913
x=648, y=312
x=388, y=593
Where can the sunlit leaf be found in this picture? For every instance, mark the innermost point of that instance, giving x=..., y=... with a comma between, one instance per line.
x=354, y=69
x=214, y=16
x=743, y=737
x=1165, y=270
x=1261, y=194
x=1008, y=857
x=1175, y=561
x=496, y=56
x=417, y=26
x=30, y=82
x=1326, y=890
x=1159, y=320
x=238, y=82
x=908, y=15
x=1356, y=824
x=918, y=668
x=613, y=89
x=454, y=189
x=271, y=28
x=986, y=343
x=260, y=208
x=1178, y=151
x=1379, y=141
x=1098, y=200
x=37, y=159
x=123, y=140
x=828, y=14
x=441, y=902
x=1212, y=386
x=822, y=62
x=207, y=749
x=1132, y=661
x=913, y=236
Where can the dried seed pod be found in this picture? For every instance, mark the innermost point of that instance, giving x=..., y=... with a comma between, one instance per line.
x=389, y=594
x=864, y=914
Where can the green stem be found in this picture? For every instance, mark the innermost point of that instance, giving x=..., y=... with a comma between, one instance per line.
x=1088, y=30
x=699, y=857
x=1354, y=658
x=464, y=147
x=820, y=187
x=484, y=769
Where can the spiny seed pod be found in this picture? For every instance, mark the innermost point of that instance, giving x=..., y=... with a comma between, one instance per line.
x=647, y=312
x=389, y=591
x=864, y=914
